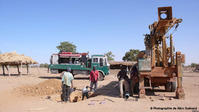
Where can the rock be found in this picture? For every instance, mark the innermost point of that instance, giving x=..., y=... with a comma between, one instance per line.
x=102, y=102
x=151, y=99
x=162, y=98
x=48, y=97
x=91, y=103
x=170, y=98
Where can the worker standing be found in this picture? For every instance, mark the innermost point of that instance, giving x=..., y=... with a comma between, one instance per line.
x=134, y=80
x=123, y=82
x=94, y=78
x=67, y=84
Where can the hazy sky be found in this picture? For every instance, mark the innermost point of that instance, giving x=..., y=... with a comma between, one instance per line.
x=36, y=27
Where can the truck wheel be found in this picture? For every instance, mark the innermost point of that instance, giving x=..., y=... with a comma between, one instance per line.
x=173, y=86
x=101, y=76
x=170, y=86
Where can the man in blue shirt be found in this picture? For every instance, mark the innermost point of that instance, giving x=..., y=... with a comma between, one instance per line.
x=67, y=84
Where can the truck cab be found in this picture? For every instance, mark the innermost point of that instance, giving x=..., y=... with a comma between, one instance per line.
x=101, y=63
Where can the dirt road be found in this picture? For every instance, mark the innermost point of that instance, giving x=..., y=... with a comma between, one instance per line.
x=107, y=100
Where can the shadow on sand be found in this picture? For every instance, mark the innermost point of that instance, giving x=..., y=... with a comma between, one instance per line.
x=14, y=75
x=81, y=78
x=57, y=77
x=151, y=92
x=110, y=89
x=48, y=77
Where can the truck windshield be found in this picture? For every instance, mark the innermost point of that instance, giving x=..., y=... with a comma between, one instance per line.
x=95, y=60
x=101, y=61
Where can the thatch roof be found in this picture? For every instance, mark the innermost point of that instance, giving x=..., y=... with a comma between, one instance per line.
x=14, y=59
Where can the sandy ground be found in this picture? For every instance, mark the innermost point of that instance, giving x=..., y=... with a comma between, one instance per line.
x=106, y=101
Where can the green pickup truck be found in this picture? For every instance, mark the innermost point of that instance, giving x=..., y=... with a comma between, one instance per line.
x=80, y=63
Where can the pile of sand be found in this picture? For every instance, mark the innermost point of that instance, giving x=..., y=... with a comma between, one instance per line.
x=48, y=87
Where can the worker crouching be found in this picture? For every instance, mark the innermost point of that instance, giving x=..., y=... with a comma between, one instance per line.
x=85, y=92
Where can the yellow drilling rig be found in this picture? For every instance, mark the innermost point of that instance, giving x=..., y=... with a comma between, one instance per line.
x=159, y=65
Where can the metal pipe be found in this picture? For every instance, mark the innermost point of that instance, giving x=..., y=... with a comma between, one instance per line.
x=164, y=54
x=171, y=50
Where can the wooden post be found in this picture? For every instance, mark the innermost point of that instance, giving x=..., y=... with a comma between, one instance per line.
x=18, y=70
x=6, y=67
x=180, y=91
x=9, y=70
x=3, y=70
x=21, y=69
x=27, y=68
x=30, y=69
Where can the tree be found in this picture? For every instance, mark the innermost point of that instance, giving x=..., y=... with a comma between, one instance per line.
x=193, y=64
x=67, y=47
x=131, y=55
x=44, y=65
x=110, y=56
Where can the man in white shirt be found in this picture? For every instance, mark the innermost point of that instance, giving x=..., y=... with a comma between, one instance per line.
x=67, y=84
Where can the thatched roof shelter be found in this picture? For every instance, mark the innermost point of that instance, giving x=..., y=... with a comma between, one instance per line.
x=14, y=59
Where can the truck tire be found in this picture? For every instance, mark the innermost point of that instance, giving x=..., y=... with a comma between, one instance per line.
x=173, y=86
x=101, y=76
x=170, y=86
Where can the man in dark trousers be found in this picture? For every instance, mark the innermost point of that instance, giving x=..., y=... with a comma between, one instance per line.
x=94, y=78
x=134, y=80
x=123, y=82
x=67, y=84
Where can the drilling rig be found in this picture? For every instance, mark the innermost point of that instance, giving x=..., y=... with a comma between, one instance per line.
x=159, y=64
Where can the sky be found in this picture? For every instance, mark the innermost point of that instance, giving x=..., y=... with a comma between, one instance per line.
x=35, y=27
